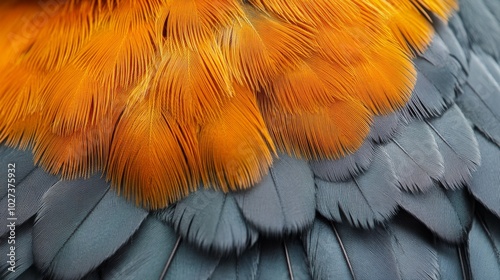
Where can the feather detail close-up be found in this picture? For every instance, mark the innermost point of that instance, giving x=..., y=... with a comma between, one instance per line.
x=260, y=139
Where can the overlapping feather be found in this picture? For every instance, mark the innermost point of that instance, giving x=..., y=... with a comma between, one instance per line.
x=128, y=87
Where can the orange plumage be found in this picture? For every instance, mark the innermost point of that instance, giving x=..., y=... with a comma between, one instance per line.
x=164, y=95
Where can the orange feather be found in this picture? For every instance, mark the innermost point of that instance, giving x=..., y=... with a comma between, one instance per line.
x=162, y=95
x=236, y=148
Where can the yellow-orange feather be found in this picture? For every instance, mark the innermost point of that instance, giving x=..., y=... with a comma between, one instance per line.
x=164, y=94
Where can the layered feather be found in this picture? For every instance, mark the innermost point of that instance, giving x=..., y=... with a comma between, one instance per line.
x=128, y=87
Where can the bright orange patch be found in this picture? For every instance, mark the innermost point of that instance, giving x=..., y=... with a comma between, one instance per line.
x=162, y=95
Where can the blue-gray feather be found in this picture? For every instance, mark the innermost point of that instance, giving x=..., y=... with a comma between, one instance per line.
x=29, y=191
x=481, y=99
x=79, y=225
x=284, y=201
x=458, y=146
x=438, y=212
x=212, y=221
x=145, y=255
x=363, y=201
x=415, y=157
x=345, y=168
x=485, y=185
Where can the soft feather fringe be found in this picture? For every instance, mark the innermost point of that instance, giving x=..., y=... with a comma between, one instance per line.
x=164, y=94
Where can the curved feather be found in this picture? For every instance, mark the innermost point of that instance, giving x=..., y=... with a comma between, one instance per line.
x=212, y=221
x=444, y=213
x=29, y=195
x=141, y=257
x=479, y=23
x=485, y=184
x=480, y=100
x=415, y=157
x=283, y=202
x=364, y=201
x=484, y=251
x=165, y=151
x=22, y=254
x=337, y=250
x=246, y=151
x=64, y=244
x=345, y=168
x=384, y=127
x=457, y=145
x=414, y=250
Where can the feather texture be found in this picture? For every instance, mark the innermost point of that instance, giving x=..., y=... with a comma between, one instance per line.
x=485, y=184
x=480, y=100
x=457, y=145
x=415, y=157
x=350, y=253
x=165, y=78
x=363, y=201
x=141, y=258
x=212, y=221
x=273, y=206
x=97, y=209
x=30, y=196
x=440, y=212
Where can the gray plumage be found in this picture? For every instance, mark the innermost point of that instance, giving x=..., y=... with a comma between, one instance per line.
x=484, y=251
x=363, y=201
x=481, y=100
x=485, y=184
x=458, y=146
x=481, y=25
x=438, y=212
x=345, y=168
x=79, y=225
x=384, y=127
x=146, y=254
x=414, y=251
x=23, y=253
x=212, y=221
x=29, y=195
x=415, y=157
x=273, y=206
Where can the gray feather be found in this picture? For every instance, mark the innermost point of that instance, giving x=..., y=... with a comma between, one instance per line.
x=415, y=157
x=190, y=263
x=365, y=200
x=284, y=201
x=145, y=254
x=79, y=225
x=325, y=252
x=337, y=251
x=282, y=261
x=481, y=25
x=439, y=213
x=450, y=264
x=23, y=257
x=480, y=101
x=29, y=191
x=239, y=267
x=456, y=50
x=458, y=146
x=212, y=221
x=483, y=253
x=383, y=127
x=413, y=248
x=485, y=185
x=345, y=168
x=23, y=165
